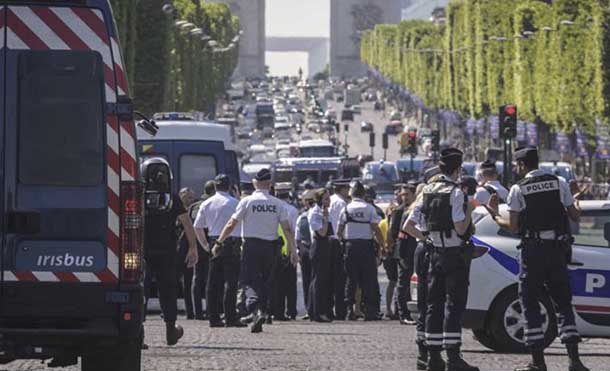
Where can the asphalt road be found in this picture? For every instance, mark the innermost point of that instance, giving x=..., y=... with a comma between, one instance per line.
x=302, y=346
x=359, y=142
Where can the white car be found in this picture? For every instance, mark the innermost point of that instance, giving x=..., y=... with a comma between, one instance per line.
x=493, y=311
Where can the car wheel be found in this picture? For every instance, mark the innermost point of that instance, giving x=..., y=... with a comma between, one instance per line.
x=507, y=324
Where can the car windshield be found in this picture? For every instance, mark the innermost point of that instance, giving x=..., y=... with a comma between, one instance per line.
x=321, y=151
x=381, y=173
x=262, y=158
x=283, y=175
x=562, y=171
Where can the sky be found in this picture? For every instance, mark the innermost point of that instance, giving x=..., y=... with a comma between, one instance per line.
x=295, y=18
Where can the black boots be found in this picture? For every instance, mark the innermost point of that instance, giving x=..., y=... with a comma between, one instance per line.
x=173, y=333
x=575, y=363
x=455, y=362
x=537, y=363
x=257, y=322
x=422, y=357
x=435, y=361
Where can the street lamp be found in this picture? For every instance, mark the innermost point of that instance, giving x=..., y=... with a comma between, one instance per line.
x=196, y=31
x=168, y=9
x=188, y=25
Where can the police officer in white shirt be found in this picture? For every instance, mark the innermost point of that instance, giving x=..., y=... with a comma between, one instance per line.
x=490, y=184
x=540, y=207
x=260, y=214
x=358, y=226
x=213, y=214
x=447, y=218
x=338, y=201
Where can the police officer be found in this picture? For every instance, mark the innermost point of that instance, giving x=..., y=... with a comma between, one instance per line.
x=203, y=265
x=540, y=207
x=260, y=215
x=359, y=227
x=285, y=282
x=163, y=211
x=321, y=258
x=402, y=247
x=338, y=201
x=420, y=267
x=302, y=236
x=213, y=214
x=490, y=184
x=445, y=221
x=370, y=197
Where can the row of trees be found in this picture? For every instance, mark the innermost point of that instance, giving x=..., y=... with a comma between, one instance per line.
x=551, y=58
x=170, y=66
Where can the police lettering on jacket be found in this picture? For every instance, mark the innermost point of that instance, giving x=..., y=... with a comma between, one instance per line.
x=261, y=215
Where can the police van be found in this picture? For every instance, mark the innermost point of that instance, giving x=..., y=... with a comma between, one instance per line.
x=318, y=170
x=196, y=150
x=493, y=310
x=71, y=245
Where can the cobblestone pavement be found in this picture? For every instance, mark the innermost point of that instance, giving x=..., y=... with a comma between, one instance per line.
x=304, y=345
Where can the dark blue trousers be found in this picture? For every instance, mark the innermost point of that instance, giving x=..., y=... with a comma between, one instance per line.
x=258, y=260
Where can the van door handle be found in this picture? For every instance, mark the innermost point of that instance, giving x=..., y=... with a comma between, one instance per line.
x=23, y=222
x=576, y=263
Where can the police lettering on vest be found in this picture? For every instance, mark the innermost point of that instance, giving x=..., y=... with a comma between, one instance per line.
x=357, y=218
x=544, y=209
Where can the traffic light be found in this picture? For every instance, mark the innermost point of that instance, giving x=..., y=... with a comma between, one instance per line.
x=371, y=139
x=412, y=141
x=346, y=128
x=508, y=121
x=384, y=141
x=436, y=141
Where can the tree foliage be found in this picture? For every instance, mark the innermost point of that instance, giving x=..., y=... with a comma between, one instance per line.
x=168, y=69
x=551, y=59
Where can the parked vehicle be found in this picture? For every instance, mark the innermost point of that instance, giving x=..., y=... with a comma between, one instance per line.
x=366, y=126
x=394, y=127
x=196, y=150
x=72, y=202
x=493, y=311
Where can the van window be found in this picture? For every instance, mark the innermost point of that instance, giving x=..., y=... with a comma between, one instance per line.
x=61, y=118
x=195, y=170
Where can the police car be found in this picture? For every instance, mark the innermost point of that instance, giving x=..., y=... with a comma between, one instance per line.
x=493, y=310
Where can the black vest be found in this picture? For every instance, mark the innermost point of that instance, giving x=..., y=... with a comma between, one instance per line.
x=436, y=206
x=544, y=210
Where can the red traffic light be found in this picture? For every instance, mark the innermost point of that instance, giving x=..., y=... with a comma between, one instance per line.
x=510, y=110
x=412, y=134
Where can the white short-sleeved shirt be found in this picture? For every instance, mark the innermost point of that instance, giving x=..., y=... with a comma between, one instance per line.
x=261, y=215
x=315, y=217
x=364, y=215
x=293, y=215
x=337, y=204
x=516, y=201
x=457, y=215
x=215, y=212
x=483, y=195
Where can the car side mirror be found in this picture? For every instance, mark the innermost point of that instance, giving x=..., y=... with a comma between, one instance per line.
x=607, y=232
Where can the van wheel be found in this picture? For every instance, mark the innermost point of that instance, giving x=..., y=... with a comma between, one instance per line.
x=507, y=324
x=485, y=338
x=126, y=357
